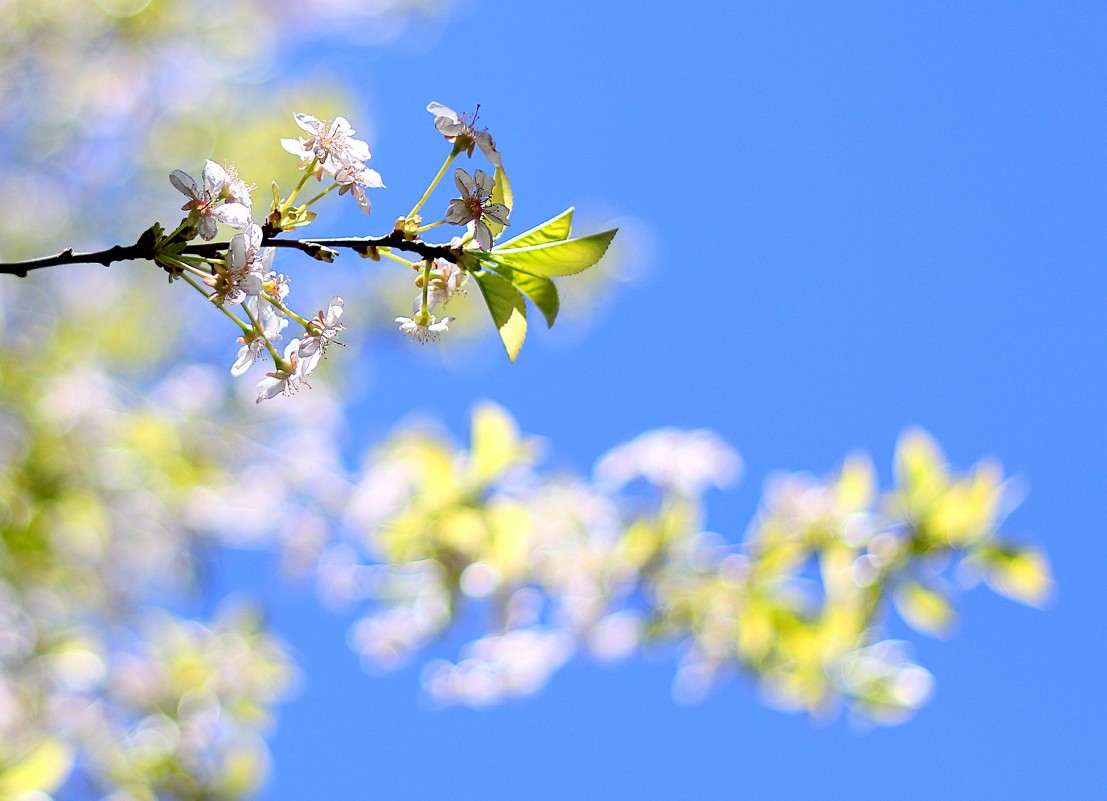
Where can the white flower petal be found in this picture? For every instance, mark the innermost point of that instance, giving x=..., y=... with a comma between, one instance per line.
x=458, y=213
x=362, y=199
x=464, y=182
x=488, y=147
x=215, y=178
x=270, y=387
x=233, y=214
x=295, y=147
x=439, y=110
x=313, y=125
x=371, y=179
x=246, y=357
x=208, y=228
x=497, y=212
x=184, y=183
x=483, y=235
x=484, y=183
x=355, y=151
x=334, y=312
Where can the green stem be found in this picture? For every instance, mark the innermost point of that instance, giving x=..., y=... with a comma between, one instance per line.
x=195, y=285
x=181, y=227
x=182, y=264
x=433, y=183
x=427, y=264
x=281, y=307
x=303, y=180
x=429, y=226
x=322, y=194
x=261, y=333
x=389, y=254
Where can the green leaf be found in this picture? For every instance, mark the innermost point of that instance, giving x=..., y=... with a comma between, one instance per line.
x=925, y=609
x=541, y=290
x=508, y=309
x=555, y=230
x=501, y=193
x=556, y=258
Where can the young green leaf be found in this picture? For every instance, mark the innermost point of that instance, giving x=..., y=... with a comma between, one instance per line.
x=501, y=193
x=556, y=258
x=541, y=290
x=555, y=230
x=508, y=310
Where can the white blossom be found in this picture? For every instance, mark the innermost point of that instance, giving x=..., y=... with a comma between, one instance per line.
x=475, y=204
x=253, y=343
x=355, y=178
x=249, y=266
x=447, y=280
x=284, y=381
x=424, y=329
x=460, y=129
x=208, y=204
x=323, y=330
x=332, y=140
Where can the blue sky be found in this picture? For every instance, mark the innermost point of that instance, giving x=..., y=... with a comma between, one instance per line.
x=864, y=216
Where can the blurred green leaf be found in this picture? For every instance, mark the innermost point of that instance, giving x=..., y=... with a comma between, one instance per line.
x=1020, y=573
x=924, y=608
x=44, y=769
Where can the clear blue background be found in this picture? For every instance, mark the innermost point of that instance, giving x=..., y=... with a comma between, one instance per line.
x=867, y=216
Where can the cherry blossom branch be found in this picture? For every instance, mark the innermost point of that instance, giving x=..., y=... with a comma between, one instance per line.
x=322, y=249
x=362, y=245
x=142, y=249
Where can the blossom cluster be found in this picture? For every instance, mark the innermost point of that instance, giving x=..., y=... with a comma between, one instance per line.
x=332, y=150
x=240, y=276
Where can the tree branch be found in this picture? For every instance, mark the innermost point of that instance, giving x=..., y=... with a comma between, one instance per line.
x=322, y=249
x=139, y=250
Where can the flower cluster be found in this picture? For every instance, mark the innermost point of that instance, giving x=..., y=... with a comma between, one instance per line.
x=239, y=276
x=332, y=149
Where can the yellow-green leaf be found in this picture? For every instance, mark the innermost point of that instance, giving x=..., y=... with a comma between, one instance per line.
x=555, y=230
x=541, y=290
x=556, y=258
x=501, y=193
x=508, y=310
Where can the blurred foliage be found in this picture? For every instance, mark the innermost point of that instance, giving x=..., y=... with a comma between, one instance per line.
x=559, y=564
x=99, y=528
